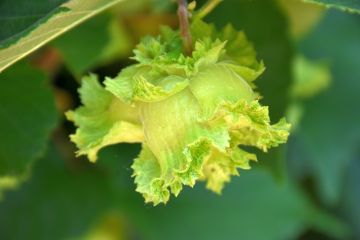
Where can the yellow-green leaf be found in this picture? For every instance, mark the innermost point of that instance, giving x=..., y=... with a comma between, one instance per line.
x=63, y=18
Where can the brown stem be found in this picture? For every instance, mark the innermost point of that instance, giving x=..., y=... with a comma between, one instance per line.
x=184, y=26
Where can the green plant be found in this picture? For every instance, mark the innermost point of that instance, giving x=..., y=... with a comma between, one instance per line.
x=199, y=102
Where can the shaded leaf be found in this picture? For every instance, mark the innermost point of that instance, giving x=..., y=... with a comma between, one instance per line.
x=350, y=196
x=27, y=116
x=252, y=207
x=330, y=127
x=70, y=198
x=302, y=16
x=64, y=202
x=311, y=77
x=352, y=6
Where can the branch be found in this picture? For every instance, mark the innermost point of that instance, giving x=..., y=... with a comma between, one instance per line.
x=184, y=26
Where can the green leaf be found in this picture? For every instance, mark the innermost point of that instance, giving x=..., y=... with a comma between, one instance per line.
x=27, y=117
x=21, y=16
x=330, y=130
x=60, y=20
x=106, y=40
x=352, y=6
x=350, y=196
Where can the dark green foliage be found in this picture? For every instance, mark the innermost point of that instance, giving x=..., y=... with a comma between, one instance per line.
x=20, y=16
x=27, y=116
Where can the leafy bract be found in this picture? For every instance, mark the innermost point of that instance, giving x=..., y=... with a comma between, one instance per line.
x=267, y=27
x=140, y=83
x=195, y=111
x=238, y=49
x=103, y=120
x=54, y=23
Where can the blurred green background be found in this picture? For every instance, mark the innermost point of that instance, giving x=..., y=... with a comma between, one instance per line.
x=306, y=189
